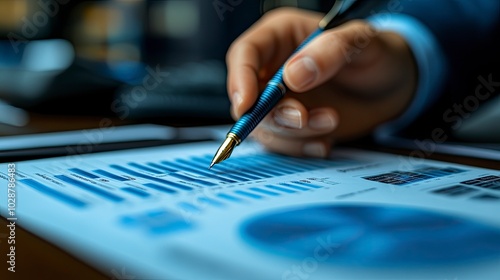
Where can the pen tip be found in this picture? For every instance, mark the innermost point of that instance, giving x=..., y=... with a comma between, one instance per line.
x=224, y=151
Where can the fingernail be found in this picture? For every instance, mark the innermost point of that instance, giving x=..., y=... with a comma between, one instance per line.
x=322, y=121
x=237, y=98
x=302, y=72
x=314, y=149
x=288, y=117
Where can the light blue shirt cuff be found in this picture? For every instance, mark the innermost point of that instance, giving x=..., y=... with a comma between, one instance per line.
x=430, y=62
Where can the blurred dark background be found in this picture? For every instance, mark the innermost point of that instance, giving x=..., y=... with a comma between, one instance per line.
x=139, y=60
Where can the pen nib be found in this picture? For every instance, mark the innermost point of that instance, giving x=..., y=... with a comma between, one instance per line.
x=225, y=150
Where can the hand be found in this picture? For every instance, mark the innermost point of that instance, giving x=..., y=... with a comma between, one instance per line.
x=345, y=83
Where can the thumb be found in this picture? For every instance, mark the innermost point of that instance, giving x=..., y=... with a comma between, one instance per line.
x=325, y=56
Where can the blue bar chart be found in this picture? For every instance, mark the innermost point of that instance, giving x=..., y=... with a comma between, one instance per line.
x=131, y=180
x=163, y=210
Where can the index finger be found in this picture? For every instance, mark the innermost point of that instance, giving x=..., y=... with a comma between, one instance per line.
x=265, y=46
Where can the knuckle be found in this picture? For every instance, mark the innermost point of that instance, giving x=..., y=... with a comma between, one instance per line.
x=281, y=14
x=356, y=24
x=361, y=28
x=232, y=48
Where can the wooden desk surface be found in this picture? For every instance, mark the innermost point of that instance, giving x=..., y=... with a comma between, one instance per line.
x=38, y=259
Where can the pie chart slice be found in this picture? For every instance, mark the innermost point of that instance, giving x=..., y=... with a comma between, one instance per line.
x=372, y=235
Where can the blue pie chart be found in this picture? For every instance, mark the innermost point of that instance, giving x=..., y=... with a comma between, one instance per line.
x=372, y=235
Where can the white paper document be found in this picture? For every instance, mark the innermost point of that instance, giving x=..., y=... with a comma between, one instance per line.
x=160, y=213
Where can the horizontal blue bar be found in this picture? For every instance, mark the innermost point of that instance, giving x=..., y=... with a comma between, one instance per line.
x=185, y=166
x=264, y=172
x=269, y=169
x=145, y=168
x=286, y=161
x=162, y=167
x=266, y=192
x=260, y=161
x=83, y=173
x=281, y=189
x=135, y=191
x=159, y=188
x=53, y=193
x=300, y=188
x=248, y=194
x=159, y=180
x=252, y=175
x=93, y=189
x=210, y=201
x=234, y=168
x=229, y=197
x=452, y=170
x=276, y=167
x=240, y=173
x=288, y=168
x=210, y=173
x=191, y=179
x=110, y=175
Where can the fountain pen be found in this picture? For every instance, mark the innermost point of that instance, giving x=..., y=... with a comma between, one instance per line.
x=274, y=91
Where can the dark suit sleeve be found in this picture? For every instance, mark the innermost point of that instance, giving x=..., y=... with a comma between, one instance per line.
x=467, y=33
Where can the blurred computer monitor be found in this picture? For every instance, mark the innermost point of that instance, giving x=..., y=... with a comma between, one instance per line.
x=77, y=54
